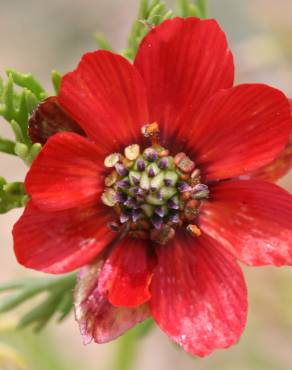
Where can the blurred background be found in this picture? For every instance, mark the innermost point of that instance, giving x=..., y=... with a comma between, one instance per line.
x=38, y=36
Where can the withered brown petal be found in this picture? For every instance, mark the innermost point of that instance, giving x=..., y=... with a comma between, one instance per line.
x=48, y=119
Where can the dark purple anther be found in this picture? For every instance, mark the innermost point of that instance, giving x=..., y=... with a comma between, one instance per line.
x=123, y=184
x=135, y=180
x=168, y=182
x=124, y=217
x=174, y=218
x=183, y=186
x=156, y=221
x=163, y=163
x=121, y=169
x=160, y=211
x=141, y=165
x=151, y=155
x=140, y=192
x=121, y=197
x=173, y=204
x=136, y=214
x=158, y=195
x=151, y=172
x=200, y=187
x=133, y=191
x=130, y=203
x=140, y=195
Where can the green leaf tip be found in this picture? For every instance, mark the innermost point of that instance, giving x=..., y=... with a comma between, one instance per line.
x=58, y=300
x=26, y=80
x=12, y=195
x=150, y=14
x=102, y=42
x=56, y=78
x=192, y=8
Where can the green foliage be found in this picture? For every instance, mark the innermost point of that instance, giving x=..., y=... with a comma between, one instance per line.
x=11, y=195
x=192, y=8
x=102, y=42
x=16, y=107
x=151, y=13
x=56, y=80
x=19, y=96
x=58, y=300
x=7, y=146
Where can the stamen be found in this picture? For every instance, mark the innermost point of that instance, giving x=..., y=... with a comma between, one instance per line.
x=134, y=178
x=191, y=209
x=184, y=163
x=112, y=159
x=151, y=131
x=109, y=197
x=163, y=235
x=174, y=218
x=170, y=178
x=183, y=186
x=173, y=203
x=132, y=152
x=111, y=179
x=150, y=154
x=161, y=211
x=200, y=187
x=153, y=193
x=123, y=184
x=121, y=169
x=130, y=203
x=152, y=170
x=194, y=230
x=124, y=217
x=141, y=165
x=136, y=214
x=157, y=182
x=157, y=221
x=201, y=194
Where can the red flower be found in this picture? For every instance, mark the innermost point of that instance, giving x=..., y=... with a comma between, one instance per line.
x=164, y=234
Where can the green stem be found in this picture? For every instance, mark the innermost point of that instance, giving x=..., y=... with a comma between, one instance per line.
x=125, y=356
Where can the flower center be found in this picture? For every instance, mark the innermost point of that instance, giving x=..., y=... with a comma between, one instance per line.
x=152, y=192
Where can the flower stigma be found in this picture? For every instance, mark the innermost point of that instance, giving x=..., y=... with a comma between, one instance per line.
x=153, y=192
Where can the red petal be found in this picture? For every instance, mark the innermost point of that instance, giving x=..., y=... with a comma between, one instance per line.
x=97, y=318
x=107, y=97
x=126, y=274
x=58, y=242
x=66, y=173
x=183, y=63
x=240, y=129
x=48, y=119
x=278, y=168
x=199, y=296
x=252, y=219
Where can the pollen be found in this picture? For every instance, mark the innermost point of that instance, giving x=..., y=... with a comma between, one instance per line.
x=152, y=193
x=194, y=230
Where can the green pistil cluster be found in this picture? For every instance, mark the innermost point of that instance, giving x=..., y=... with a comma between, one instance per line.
x=152, y=192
